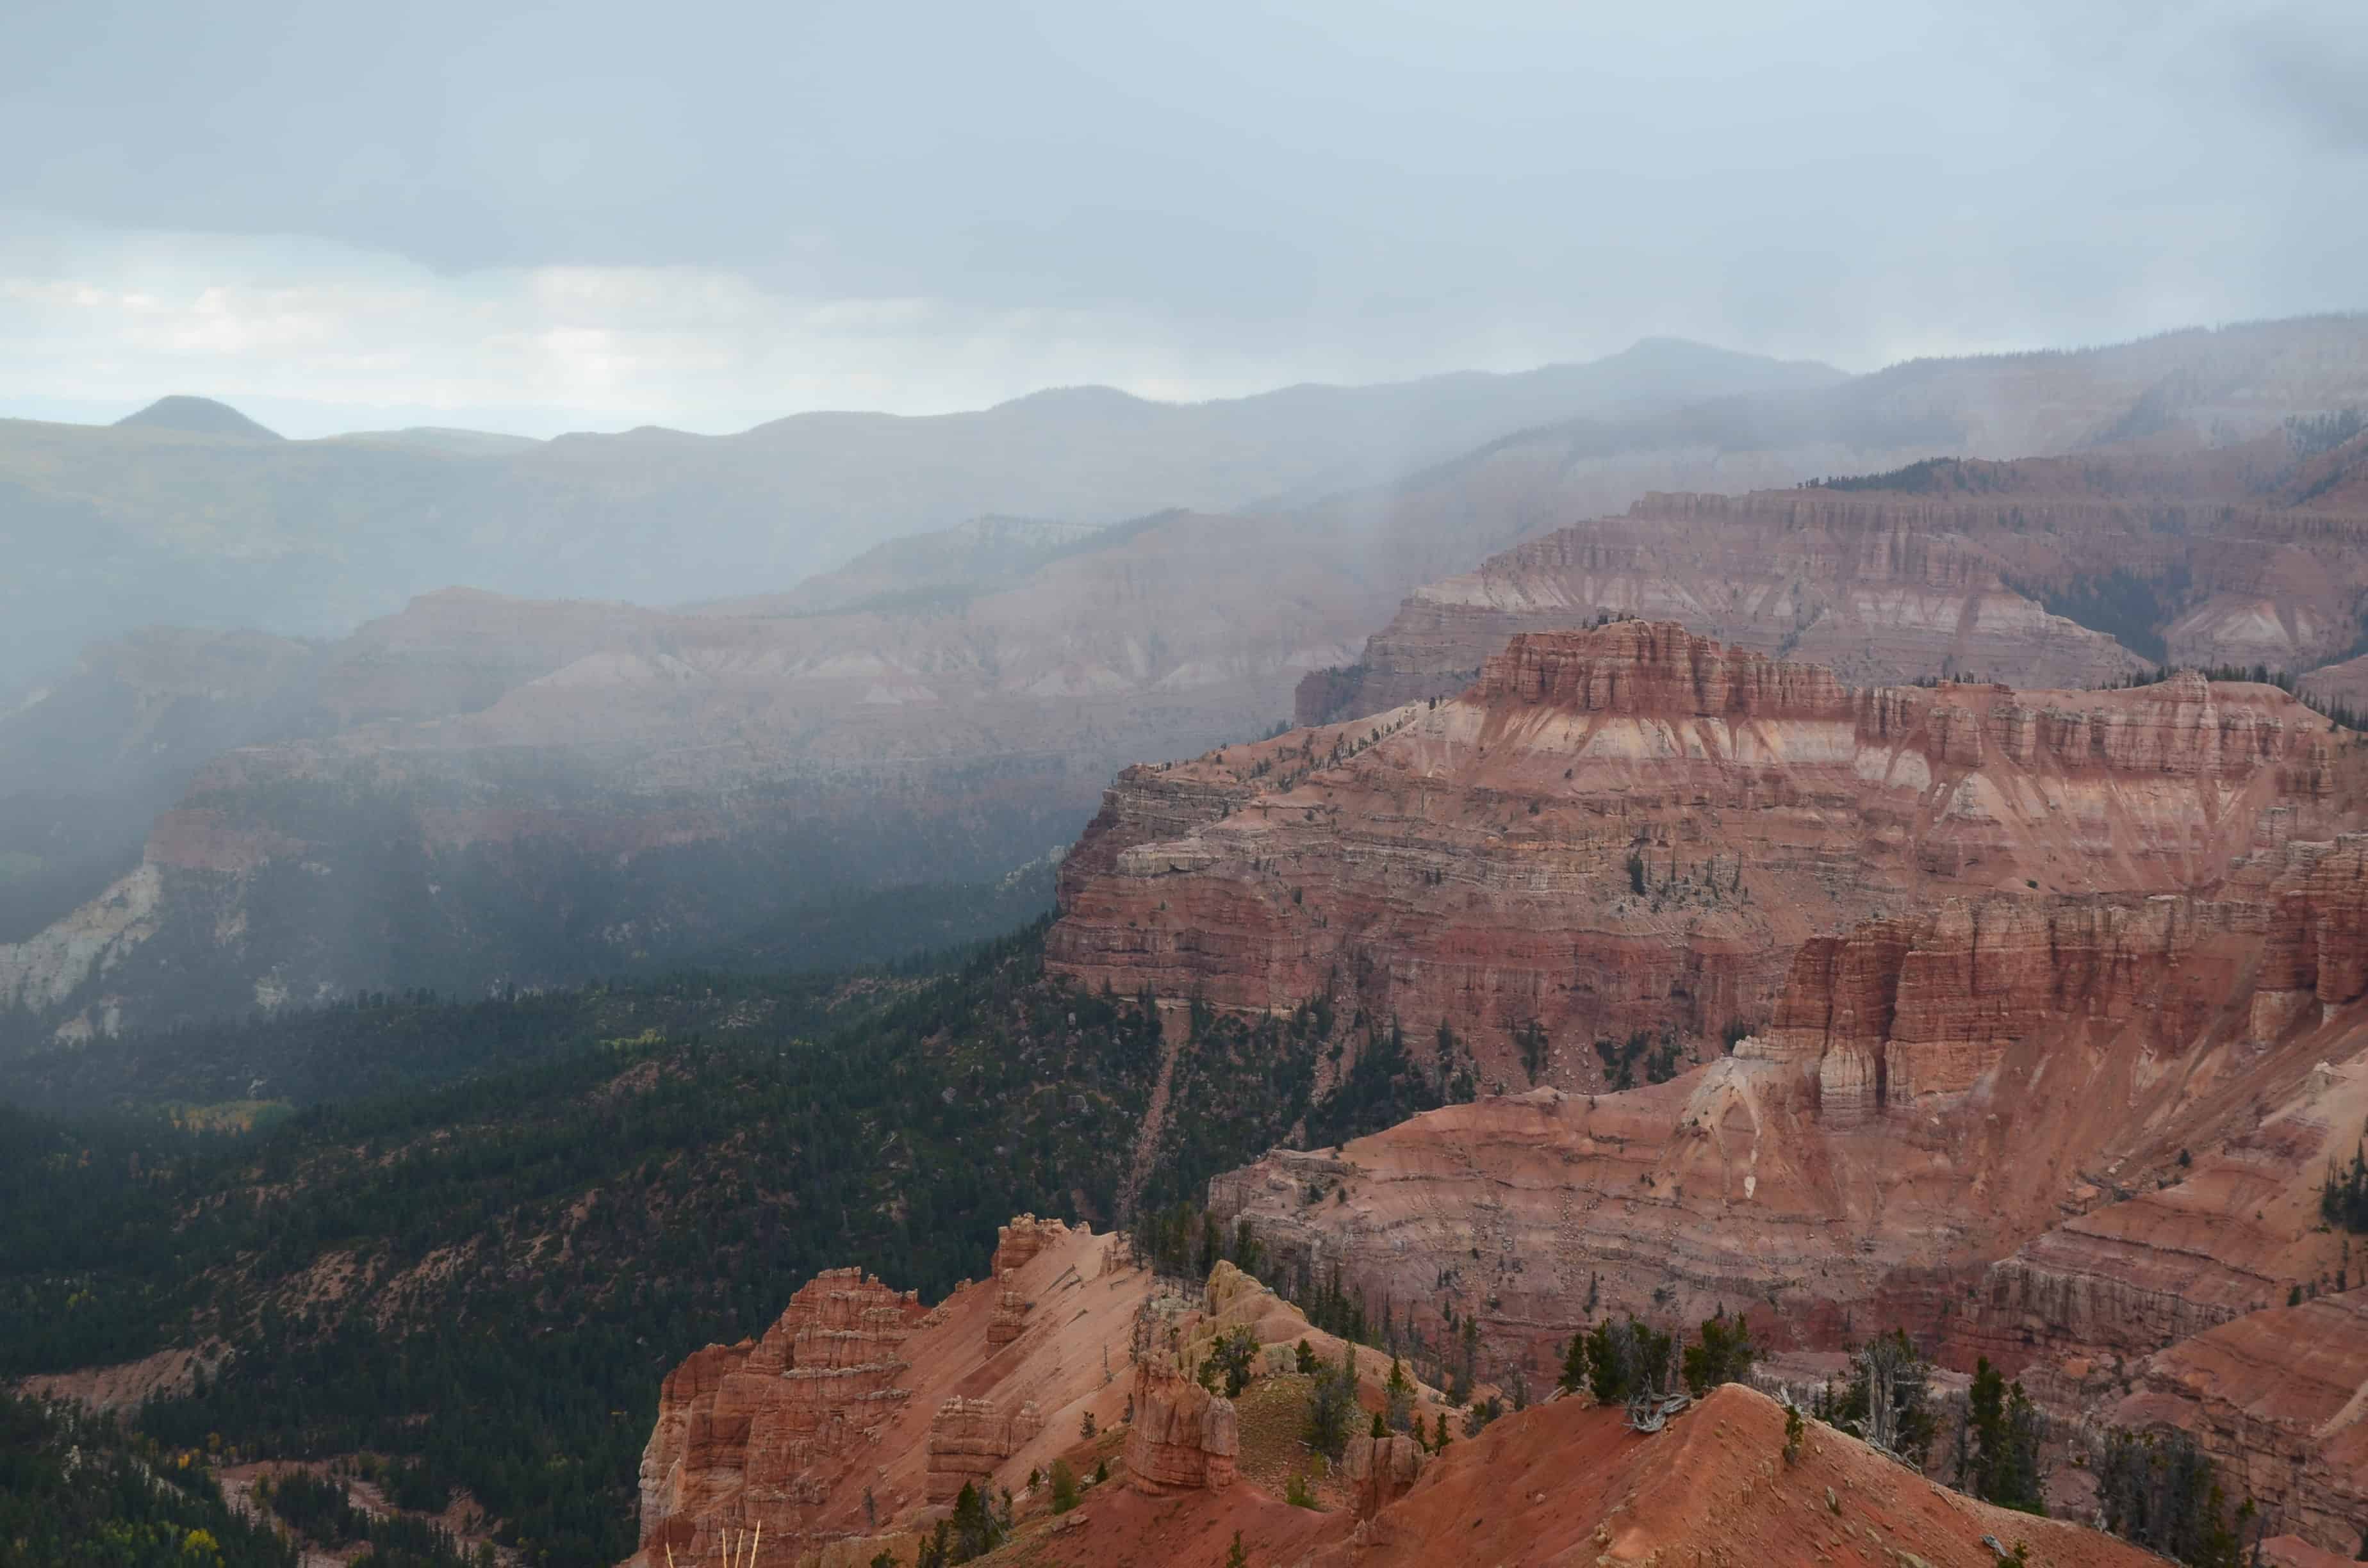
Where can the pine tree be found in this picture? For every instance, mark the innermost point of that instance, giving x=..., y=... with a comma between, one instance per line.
x=1065, y=1487
x=2000, y=1460
x=1333, y=1406
x=1723, y=1354
x=1400, y=1393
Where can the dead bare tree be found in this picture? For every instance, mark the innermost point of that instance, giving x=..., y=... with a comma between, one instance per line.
x=739, y=1549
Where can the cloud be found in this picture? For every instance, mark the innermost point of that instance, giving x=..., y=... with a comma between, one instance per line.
x=723, y=211
x=324, y=337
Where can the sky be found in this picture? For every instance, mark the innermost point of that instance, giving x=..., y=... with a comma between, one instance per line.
x=598, y=215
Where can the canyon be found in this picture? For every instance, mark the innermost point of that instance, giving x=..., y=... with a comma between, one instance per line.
x=2028, y=1022
x=1827, y=903
x=482, y=790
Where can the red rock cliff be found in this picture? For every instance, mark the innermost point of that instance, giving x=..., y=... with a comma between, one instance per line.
x=1632, y=828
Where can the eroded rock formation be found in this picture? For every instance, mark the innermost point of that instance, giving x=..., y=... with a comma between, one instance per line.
x=1010, y=1317
x=862, y=1414
x=1631, y=829
x=745, y=1431
x=1017, y=1244
x=1184, y=1437
x=1381, y=1469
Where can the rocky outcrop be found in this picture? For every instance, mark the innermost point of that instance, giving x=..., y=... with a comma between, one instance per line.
x=1018, y=1243
x=861, y=1413
x=1632, y=830
x=1184, y=1438
x=969, y=1440
x=743, y=1430
x=1010, y=1317
x=1657, y=670
x=1381, y=1469
x=46, y=973
x=2231, y=1225
x=1902, y=1008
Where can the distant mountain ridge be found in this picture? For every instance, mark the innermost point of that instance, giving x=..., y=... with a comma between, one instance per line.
x=110, y=529
x=196, y=416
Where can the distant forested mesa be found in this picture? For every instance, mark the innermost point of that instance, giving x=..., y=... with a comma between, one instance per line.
x=543, y=1203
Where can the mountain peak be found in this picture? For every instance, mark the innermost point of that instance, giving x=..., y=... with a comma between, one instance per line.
x=197, y=417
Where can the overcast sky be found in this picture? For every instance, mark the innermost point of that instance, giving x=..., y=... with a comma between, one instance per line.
x=599, y=214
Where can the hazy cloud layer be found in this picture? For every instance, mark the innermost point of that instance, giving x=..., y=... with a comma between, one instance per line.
x=708, y=214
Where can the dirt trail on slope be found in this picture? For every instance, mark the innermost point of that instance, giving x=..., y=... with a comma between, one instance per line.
x=1154, y=1115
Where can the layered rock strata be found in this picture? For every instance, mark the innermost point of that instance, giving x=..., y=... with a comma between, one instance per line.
x=2278, y=1400
x=1010, y=1317
x=1632, y=828
x=763, y=1418
x=2064, y=1133
x=1017, y=1244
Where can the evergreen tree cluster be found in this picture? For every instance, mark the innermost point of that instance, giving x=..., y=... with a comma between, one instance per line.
x=1722, y=1353
x=2343, y=1201
x=981, y=1522
x=1332, y=1408
x=2161, y=1493
x=2313, y=434
x=1624, y=1359
x=1530, y=1040
x=1657, y=1052
x=1998, y=1451
x=1627, y=1358
x=565, y=1195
